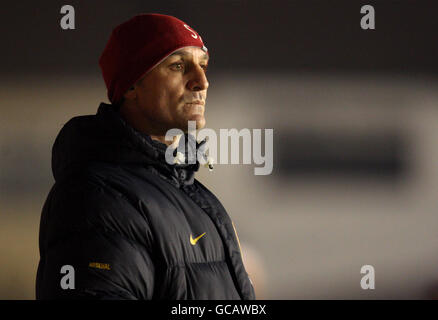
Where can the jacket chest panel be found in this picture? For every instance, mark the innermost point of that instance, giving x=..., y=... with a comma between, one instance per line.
x=184, y=232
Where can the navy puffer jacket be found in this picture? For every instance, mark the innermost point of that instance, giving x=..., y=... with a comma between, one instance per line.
x=131, y=225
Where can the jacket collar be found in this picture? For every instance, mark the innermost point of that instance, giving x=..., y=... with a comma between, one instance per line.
x=107, y=137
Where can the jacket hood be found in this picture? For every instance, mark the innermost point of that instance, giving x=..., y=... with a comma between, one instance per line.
x=107, y=137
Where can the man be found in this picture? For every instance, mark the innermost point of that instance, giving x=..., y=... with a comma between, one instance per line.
x=129, y=224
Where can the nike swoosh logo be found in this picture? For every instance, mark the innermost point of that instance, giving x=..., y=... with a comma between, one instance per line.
x=193, y=241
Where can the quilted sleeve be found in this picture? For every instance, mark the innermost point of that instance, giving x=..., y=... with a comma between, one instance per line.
x=94, y=244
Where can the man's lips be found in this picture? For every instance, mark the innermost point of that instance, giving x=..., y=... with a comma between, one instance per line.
x=196, y=102
x=195, y=107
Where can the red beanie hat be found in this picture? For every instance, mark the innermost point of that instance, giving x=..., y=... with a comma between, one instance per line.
x=138, y=45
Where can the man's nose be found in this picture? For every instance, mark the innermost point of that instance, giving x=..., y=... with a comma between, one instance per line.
x=198, y=80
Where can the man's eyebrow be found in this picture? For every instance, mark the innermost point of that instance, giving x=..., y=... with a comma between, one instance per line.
x=185, y=53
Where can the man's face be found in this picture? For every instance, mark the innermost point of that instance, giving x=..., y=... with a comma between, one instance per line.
x=174, y=92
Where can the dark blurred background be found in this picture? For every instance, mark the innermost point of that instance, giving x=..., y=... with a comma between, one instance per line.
x=355, y=122
x=244, y=36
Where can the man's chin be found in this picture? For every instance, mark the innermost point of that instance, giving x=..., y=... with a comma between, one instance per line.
x=200, y=123
x=195, y=122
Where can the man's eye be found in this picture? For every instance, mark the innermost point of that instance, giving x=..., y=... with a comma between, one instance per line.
x=205, y=67
x=178, y=66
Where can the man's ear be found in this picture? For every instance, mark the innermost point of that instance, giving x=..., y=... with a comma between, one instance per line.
x=131, y=94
